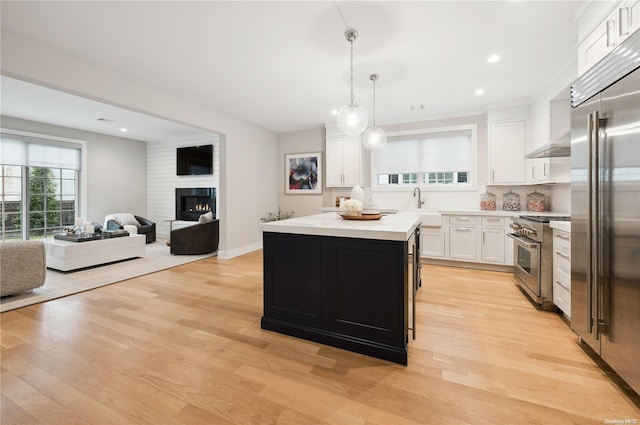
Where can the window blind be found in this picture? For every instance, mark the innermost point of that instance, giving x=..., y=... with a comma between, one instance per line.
x=420, y=153
x=36, y=152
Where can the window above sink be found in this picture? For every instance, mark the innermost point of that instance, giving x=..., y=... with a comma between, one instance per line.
x=436, y=158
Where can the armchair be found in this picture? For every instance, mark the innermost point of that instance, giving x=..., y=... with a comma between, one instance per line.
x=143, y=226
x=201, y=238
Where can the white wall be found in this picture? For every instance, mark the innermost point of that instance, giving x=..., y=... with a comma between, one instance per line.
x=162, y=179
x=307, y=141
x=116, y=169
x=248, y=178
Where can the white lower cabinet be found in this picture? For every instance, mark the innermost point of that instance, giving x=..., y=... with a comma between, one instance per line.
x=562, y=271
x=468, y=238
x=432, y=243
x=462, y=243
x=493, y=245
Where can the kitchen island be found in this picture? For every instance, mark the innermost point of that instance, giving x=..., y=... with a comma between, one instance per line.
x=344, y=283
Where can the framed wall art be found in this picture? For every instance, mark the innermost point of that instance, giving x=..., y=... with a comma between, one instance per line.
x=303, y=173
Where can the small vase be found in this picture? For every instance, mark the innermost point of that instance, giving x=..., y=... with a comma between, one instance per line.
x=357, y=193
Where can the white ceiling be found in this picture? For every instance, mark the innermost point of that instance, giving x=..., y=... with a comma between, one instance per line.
x=285, y=65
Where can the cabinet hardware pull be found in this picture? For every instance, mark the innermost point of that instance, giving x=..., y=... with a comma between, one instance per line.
x=610, y=28
x=493, y=219
x=562, y=285
x=546, y=169
x=566, y=238
x=533, y=172
x=461, y=229
x=565, y=256
x=624, y=18
x=493, y=176
x=462, y=218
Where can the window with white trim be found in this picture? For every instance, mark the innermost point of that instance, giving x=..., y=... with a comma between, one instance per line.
x=39, y=191
x=443, y=157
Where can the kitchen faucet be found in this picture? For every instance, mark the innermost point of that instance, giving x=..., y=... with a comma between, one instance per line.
x=420, y=200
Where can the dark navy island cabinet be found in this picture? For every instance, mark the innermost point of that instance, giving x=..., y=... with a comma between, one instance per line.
x=349, y=293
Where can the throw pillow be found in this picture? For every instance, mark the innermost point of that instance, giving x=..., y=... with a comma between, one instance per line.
x=206, y=218
x=126, y=219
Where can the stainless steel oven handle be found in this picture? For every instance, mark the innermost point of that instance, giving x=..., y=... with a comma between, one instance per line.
x=522, y=242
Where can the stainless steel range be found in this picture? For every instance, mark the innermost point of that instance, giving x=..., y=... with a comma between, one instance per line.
x=533, y=257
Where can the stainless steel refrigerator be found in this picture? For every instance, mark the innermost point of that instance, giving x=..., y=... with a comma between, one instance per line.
x=605, y=209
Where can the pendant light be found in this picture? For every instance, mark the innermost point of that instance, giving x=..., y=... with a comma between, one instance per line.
x=374, y=137
x=352, y=119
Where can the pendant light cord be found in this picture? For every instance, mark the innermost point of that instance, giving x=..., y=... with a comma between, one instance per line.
x=335, y=3
x=351, y=43
x=374, y=102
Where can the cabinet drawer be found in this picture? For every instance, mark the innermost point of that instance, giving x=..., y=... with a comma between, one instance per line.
x=562, y=298
x=493, y=221
x=562, y=242
x=562, y=264
x=462, y=220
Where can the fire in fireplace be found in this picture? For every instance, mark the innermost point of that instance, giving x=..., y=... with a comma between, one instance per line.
x=191, y=203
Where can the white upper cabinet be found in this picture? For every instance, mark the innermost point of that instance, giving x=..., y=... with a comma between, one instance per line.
x=541, y=127
x=507, y=144
x=343, y=159
x=615, y=28
x=550, y=122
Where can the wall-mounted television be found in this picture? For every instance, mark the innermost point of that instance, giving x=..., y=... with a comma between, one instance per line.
x=194, y=160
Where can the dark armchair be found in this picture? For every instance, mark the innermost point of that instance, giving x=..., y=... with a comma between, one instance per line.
x=201, y=238
x=143, y=226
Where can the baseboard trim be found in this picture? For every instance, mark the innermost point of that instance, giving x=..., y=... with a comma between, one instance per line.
x=227, y=255
x=467, y=265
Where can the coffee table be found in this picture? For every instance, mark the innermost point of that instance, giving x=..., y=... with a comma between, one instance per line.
x=66, y=256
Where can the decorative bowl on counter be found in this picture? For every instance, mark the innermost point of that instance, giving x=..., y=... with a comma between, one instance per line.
x=361, y=216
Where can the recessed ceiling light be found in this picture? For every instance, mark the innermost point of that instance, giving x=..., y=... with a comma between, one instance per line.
x=334, y=112
x=493, y=58
x=124, y=130
x=479, y=92
x=417, y=107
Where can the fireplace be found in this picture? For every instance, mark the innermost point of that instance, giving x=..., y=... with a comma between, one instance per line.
x=191, y=203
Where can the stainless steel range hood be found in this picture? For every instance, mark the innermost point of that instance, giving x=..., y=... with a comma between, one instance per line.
x=560, y=147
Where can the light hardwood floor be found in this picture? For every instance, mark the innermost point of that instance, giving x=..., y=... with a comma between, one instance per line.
x=184, y=346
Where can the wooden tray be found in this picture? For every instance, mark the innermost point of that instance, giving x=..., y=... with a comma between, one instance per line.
x=361, y=217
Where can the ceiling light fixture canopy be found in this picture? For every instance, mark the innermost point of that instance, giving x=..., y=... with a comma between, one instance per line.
x=374, y=137
x=352, y=119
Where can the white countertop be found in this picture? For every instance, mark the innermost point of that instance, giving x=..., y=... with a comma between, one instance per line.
x=498, y=213
x=561, y=225
x=393, y=227
x=340, y=210
x=504, y=213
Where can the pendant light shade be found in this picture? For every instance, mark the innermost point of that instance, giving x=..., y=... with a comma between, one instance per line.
x=352, y=119
x=374, y=137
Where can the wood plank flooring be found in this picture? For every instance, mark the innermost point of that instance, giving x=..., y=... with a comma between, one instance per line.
x=184, y=346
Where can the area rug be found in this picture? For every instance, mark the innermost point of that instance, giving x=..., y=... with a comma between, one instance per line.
x=58, y=284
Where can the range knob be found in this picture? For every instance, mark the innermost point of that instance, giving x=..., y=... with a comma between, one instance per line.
x=515, y=226
x=528, y=232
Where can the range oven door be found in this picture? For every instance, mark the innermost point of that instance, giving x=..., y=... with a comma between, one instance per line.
x=526, y=260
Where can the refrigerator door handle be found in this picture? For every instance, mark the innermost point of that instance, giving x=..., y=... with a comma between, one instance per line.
x=595, y=256
x=589, y=264
x=601, y=240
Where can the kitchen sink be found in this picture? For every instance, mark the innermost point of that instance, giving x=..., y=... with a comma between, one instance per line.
x=428, y=219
